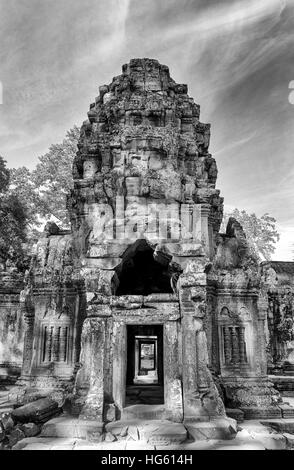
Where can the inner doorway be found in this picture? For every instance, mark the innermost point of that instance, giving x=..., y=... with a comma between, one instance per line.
x=144, y=365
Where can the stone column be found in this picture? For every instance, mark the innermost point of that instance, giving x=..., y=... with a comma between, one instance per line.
x=200, y=396
x=91, y=376
x=27, y=309
x=205, y=211
x=172, y=383
x=28, y=344
x=227, y=345
x=57, y=352
x=235, y=345
x=242, y=345
x=192, y=301
x=119, y=363
x=262, y=306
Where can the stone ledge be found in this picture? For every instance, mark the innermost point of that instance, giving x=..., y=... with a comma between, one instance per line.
x=258, y=412
x=66, y=426
x=223, y=428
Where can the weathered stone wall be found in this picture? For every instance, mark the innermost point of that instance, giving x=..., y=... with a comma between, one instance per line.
x=11, y=326
x=238, y=314
x=278, y=282
x=53, y=305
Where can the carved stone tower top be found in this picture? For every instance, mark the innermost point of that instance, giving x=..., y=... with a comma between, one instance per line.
x=143, y=145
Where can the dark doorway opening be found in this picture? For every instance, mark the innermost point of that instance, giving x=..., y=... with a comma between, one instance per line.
x=144, y=365
x=142, y=272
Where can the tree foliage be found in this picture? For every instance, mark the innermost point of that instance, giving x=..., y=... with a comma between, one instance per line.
x=13, y=223
x=44, y=189
x=260, y=232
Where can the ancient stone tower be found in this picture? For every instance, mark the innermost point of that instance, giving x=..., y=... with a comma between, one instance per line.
x=144, y=303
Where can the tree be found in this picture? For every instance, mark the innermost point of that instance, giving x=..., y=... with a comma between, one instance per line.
x=13, y=223
x=4, y=176
x=260, y=232
x=44, y=190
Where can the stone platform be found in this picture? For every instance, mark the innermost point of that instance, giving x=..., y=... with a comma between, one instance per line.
x=137, y=431
x=283, y=383
x=252, y=435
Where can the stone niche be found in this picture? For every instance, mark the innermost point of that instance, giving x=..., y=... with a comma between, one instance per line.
x=143, y=306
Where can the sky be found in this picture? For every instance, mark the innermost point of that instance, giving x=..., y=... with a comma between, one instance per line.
x=237, y=57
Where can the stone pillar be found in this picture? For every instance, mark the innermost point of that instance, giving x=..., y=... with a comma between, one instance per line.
x=205, y=211
x=91, y=376
x=64, y=343
x=192, y=312
x=119, y=363
x=242, y=345
x=235, y=345
x=27, y=309
x=202, y=357
x=172, y=383
x=57, y=338
x=262, y=306
x=200, y=397
x=28, y=344
x=227, y=345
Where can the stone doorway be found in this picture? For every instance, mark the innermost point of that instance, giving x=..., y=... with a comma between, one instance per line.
x=144, y=383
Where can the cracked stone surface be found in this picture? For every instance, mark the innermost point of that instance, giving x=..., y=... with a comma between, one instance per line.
x=252, y=435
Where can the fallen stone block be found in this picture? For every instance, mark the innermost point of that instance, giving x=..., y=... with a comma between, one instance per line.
x=30, y=429
x=4, y=445
x=38, y=411
x=109, y=437
x=117, y=428
x=6, y=422
x=133, y=433
x=15, y=436
x=223, y=428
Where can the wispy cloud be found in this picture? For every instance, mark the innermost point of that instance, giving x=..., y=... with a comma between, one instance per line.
x=236, y=56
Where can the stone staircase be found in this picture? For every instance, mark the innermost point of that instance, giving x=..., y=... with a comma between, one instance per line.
x=143, y=412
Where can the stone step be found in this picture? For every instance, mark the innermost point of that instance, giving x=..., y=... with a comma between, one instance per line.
x=144, y=412
x=69, y=427
x=221, y=428
x=282, y=425
x=236, y=414
x=167, y=434
x=157, y=432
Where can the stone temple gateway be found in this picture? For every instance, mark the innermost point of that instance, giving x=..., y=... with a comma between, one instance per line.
x=144, y=309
